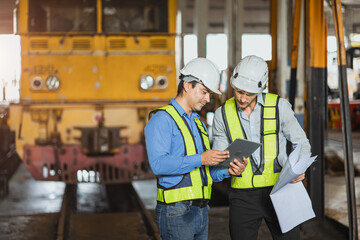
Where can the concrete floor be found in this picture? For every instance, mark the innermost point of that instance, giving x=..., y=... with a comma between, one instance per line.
x=335, y=191
x=28, y=196
x=336, y=201
x=334, y=145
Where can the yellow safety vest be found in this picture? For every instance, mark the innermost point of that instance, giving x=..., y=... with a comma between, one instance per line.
x=253, y=176
x=196, y=190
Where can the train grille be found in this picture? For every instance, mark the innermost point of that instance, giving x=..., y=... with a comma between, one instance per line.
x=158, y=43
x=81, y=44
x=117, y=44
x=39, y=44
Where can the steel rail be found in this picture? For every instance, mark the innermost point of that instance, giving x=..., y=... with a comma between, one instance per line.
x=151, y=226
x=66, y=209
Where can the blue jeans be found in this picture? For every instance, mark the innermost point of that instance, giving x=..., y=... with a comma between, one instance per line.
x=181, y=221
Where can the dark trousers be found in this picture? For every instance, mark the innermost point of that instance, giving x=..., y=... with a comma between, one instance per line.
x=247, y=209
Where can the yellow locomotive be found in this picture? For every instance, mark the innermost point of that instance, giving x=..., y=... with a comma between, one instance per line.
x=91, y=71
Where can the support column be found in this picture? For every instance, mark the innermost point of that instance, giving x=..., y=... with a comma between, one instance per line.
x=234, y=26
x=300, y=75
x=283, y=69
x=239, y=28
x=294, y=52
x=345, y=121
x=315, y=99
x=201, y=24
x=230, y=32
x=180, y=31
x=274, y=36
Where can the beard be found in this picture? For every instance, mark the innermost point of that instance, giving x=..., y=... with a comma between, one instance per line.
x=244, y=105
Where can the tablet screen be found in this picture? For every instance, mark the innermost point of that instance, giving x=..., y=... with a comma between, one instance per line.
x=238, y=149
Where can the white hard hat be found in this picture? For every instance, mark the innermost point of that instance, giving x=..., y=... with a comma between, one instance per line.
x=250, y=75
x=204, y=71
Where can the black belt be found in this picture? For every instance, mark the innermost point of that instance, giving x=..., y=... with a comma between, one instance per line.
x=250, y=189
x=197, y=202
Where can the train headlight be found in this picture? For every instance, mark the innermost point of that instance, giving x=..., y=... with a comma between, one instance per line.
x=37, y=83
x=161, y=82
x=146, y=82
x=52, y=83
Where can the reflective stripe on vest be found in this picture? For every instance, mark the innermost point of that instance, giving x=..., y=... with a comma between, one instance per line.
x=197, y=190
x=248, y=178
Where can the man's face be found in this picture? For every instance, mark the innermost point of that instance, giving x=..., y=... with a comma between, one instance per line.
x=244, y=99
x=198, y=96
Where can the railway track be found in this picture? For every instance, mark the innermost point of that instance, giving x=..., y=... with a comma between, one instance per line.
x=120, y=214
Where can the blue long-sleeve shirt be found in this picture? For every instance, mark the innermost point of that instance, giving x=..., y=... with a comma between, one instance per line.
x=166, y=151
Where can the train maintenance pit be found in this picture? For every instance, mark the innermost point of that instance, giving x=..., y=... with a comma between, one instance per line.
x=36, y=210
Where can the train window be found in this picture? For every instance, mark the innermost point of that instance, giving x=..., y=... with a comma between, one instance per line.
x=135, y=16
x=62, y=16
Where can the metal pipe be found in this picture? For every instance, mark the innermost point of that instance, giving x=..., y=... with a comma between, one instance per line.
x=345, y=121
x=294, y=52
x=274, y=45
x=315, y=100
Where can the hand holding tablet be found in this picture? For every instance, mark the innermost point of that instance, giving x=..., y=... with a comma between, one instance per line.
x=238, y=149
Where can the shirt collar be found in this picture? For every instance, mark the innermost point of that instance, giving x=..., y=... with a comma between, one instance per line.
x=181, y=111
x=260, y=99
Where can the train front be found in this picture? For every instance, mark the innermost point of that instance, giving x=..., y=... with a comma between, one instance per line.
x=92, y=70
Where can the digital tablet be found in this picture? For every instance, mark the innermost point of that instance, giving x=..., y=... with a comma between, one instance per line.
x=238, y=149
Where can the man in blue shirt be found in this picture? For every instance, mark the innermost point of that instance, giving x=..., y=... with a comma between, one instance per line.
x=179, y=154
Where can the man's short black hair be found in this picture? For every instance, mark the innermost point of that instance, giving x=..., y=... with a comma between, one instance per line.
x=181, y=85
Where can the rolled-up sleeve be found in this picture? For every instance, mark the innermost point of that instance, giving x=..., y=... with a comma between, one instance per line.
x=219, y=173
x=220, y=140
x=291, y=128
